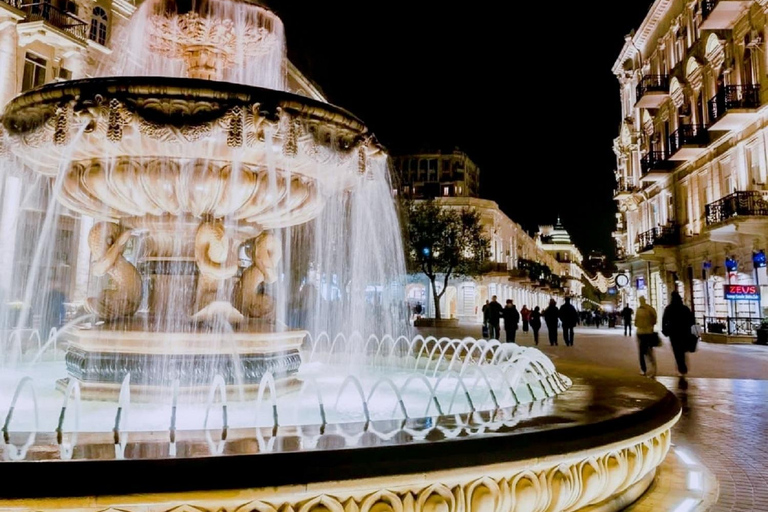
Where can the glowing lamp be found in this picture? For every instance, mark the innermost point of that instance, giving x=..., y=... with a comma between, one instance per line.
x=731, y=264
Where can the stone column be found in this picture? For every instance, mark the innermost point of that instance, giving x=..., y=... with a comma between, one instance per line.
x=8, y=46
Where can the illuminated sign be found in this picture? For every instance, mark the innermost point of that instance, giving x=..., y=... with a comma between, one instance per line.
x=758, y=258
x=741, y=292
x=640, y=283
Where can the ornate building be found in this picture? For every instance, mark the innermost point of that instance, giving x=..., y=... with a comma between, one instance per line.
x=520, y=267
x=42, y=42
x=691, y=157
x=556, y=241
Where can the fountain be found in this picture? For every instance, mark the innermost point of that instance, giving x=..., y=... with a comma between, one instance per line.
x=245, y=283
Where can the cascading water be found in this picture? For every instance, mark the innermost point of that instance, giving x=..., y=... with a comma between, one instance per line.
x=209, y=231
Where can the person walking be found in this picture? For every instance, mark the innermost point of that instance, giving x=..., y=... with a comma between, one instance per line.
x=525, y=316
x=536, y=323
x=494, y=318
x=647, y=337
x=511, y=320
x=676, y=323
x=568, y=318
x=551, y=317
x=485, y=319
x=626, y=314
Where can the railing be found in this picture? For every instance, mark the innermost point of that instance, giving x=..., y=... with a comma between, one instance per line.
x=738, y=204
x=652, y=159
x=707, y=6
x=12, y=3
x=625, y=185
x=731, y=325
x=731, y=97
x=652, y=83
x=667, y=235
x=688, y=135
x=60, y=19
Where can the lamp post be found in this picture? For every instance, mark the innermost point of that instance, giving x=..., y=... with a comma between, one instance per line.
x=759, y=261
x=731, y=265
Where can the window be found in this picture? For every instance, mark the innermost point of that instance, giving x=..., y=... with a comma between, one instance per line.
x=34, y=72
x=445, y=191
x=98, y=32
x=64, y=74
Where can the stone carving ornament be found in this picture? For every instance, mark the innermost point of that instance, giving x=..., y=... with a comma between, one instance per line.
x=121, y=297
x=558, y=484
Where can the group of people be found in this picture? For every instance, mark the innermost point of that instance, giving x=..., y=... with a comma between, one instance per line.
x=677, y=324
x=493, y=312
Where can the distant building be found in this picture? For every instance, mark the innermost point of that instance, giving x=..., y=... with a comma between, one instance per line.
x=519, y=268
x=556, y=241
x=437, y=174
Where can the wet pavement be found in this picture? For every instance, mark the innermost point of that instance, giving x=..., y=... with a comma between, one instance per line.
x=724, y=425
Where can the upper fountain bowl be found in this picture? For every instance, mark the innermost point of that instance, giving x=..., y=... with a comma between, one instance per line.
x=229, y=134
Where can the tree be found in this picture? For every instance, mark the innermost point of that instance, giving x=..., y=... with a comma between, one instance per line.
x=442, y=241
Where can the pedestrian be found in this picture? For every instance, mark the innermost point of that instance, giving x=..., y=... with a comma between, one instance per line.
x=647, y=337
x=676, y=323
x=551, y=317
x=511, y=320
x=494, y=319
x=626, y=314
x=525, y=316
x=485, y=319
x=568, y=318
x=536, y=324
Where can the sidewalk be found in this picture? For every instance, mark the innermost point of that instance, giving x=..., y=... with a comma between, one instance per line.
x=724, y=424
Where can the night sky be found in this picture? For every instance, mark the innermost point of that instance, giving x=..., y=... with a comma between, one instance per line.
x=528, y=94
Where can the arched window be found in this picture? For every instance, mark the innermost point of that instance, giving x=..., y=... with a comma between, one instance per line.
x=98, y=31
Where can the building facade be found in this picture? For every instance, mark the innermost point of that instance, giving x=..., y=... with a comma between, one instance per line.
x=520, y=267
x=691, y=157
x=556, y=241
x=43, y=42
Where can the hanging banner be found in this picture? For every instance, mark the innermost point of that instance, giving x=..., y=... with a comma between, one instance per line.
x=741, y=292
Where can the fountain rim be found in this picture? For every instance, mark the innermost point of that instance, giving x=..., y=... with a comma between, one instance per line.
x=91, y=89
x=538, y=439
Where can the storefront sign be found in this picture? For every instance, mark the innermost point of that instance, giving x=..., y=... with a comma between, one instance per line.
x=741, y=292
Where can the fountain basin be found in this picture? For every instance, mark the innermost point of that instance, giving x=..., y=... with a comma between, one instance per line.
x=598, y=444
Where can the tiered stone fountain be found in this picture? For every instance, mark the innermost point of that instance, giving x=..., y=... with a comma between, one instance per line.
x=197, y=170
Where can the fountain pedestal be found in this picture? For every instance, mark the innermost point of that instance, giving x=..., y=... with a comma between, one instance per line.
x=101, y=357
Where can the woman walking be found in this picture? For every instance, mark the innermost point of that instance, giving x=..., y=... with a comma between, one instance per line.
x=647, y=337
x=535, y=322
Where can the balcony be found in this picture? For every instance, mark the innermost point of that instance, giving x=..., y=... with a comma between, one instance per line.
x=738, y=213
x=656, y=166
x=721, y=14
x=733, y=107
x=625, y=188
x=667, y=236
x=688, y=142
x=12, y=7
x=652, y=91
x=44, y=15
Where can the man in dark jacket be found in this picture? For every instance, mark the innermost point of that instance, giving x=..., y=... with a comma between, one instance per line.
x=626, y=314
x=551, y=317
x=494, y=319
x=569, y=317
x=511, y=320
x=676, y=324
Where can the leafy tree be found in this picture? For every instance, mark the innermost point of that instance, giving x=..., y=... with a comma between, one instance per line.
x=442, y=241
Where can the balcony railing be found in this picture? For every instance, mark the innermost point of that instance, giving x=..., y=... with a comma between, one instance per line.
x=652, y=83
x=738, y=204
x=652, y=160
x=731, y=97
x=12, y=3
x=707, y=7
x=60, y=19
x=666, y=235
x=745, y=326
x=688, y=135
x=625, y=186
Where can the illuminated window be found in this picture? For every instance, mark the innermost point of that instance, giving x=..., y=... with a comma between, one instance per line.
x=98, y=32
x=445, y=191
x=34, y=72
